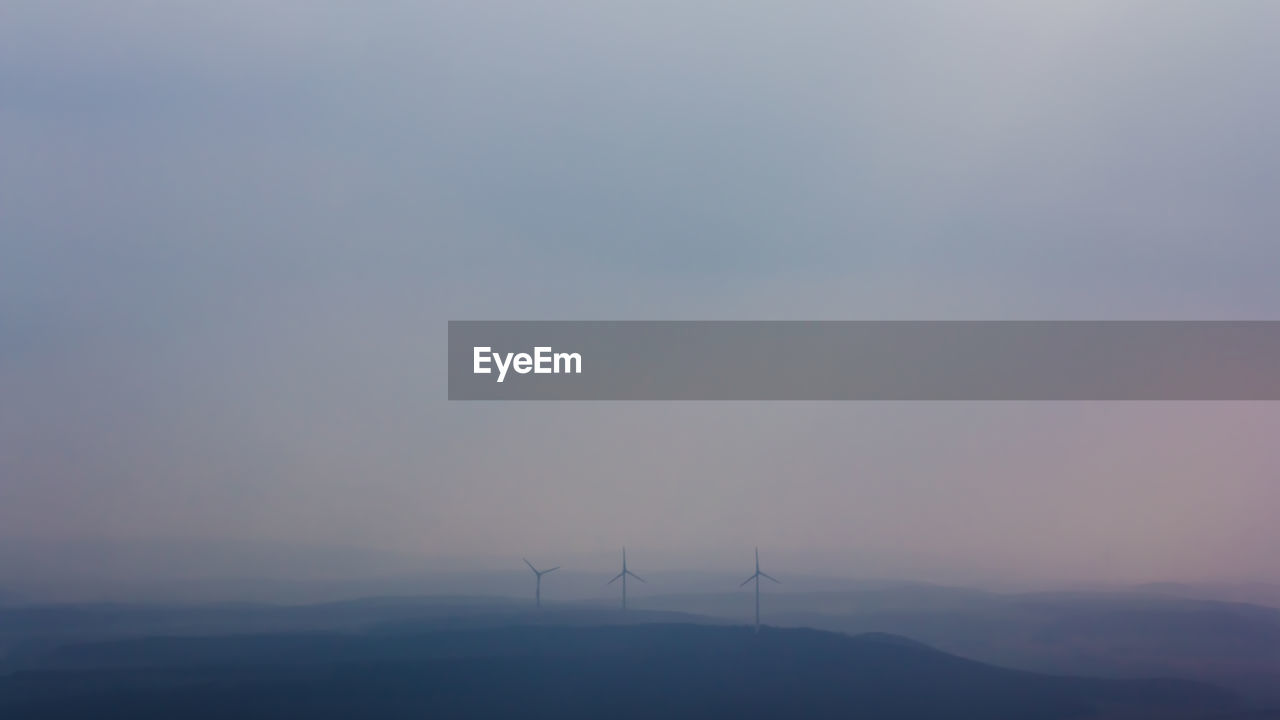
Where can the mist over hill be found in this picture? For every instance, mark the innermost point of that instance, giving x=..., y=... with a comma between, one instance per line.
x=1110, y=634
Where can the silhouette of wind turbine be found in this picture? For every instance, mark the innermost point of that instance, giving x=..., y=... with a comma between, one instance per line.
x=625, y=572
x=539, y=573
x=757, y=577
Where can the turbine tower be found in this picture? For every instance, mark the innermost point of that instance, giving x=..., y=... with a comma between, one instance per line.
x=625, y=572
x=539, y=573
x=757, y=577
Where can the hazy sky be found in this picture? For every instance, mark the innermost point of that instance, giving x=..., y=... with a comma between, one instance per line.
x=231, y=234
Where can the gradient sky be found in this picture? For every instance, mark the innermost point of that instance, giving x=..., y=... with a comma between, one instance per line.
x=231, y=234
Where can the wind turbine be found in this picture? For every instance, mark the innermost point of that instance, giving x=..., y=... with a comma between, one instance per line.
x=625, y=572
x=539, y=573
x=757, y=577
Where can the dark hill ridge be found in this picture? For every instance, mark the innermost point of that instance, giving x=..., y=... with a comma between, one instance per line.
x=29, y=635
x=1233, y=645
x=661, y=670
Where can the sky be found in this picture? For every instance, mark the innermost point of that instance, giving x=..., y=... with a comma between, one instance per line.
x=232, y=233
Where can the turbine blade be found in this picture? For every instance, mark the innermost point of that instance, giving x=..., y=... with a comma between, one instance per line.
x=531, y=567
x=637, y=577
x=744, y=582
x=771, y=578
x=615, y=579
x=544, y=572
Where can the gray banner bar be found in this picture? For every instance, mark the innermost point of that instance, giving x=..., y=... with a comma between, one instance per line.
x=714, y=360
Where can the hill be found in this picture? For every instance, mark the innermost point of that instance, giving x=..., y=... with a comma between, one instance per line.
x=650, y=670
x=1108, y=634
